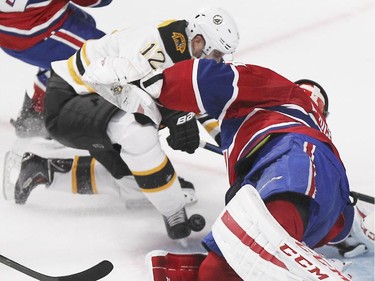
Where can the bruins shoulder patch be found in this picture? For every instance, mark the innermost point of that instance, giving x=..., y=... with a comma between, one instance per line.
x=175, y=40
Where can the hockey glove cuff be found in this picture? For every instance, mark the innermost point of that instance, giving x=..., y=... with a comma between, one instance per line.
x=361, y=238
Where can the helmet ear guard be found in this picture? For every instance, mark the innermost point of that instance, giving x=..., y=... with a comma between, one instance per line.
x=317, y=93
x=218, y=29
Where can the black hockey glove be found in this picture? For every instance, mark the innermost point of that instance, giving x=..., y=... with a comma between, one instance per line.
x=183, y=129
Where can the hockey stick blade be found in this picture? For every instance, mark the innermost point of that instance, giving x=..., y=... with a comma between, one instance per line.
x=217, y=150
x=94, y=273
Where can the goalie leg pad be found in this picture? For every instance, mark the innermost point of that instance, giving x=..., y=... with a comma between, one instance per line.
x=258, y=248
x=215, y=267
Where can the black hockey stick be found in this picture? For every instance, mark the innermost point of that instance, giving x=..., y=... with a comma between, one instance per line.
x=96, y=272
x=358, y=195
x=363, y=197
x=210, y=147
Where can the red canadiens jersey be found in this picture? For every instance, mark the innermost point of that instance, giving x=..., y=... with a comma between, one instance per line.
x=24, y=23
x=251, y=102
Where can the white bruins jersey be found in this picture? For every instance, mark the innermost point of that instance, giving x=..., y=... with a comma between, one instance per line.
x=161, y=44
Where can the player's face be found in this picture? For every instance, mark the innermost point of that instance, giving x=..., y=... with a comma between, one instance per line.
x=197, y=46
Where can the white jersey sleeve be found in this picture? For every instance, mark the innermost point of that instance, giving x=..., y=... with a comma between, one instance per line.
x=141, y=47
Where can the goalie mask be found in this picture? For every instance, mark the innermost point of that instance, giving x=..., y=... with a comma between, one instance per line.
x=218, y=29
x=317, y=94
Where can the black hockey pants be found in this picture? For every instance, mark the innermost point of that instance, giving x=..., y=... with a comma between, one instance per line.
x=80, y=121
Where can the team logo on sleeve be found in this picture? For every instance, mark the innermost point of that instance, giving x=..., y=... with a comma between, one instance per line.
x=179, y=41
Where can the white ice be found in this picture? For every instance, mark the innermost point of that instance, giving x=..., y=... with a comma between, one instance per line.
x=330, y=41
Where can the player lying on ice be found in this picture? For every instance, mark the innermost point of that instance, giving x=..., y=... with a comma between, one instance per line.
x=122, y=135
x=289, y=190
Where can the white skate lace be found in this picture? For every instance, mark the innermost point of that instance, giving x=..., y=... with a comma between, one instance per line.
x=176, y=218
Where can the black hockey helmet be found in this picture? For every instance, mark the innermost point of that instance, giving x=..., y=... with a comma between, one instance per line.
x=318, y=94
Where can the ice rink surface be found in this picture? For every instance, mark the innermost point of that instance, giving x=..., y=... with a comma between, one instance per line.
x=330, y=41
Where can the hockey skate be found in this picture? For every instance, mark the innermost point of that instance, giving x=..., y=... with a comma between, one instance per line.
x=189, y=192
x=23, y=173
x=29, y=123
x=11, y=171
x=177, y=225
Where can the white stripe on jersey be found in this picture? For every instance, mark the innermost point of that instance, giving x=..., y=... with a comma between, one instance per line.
x=66, y=41
x=93, y=5
x=195, y=86
x=75, y=36
x=259, y=132
x=234, y=94
x=40, y=4
x=293, y=106
x=311, y=188
x=35, y=28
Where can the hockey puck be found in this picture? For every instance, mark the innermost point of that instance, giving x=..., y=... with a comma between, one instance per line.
x=197, y=222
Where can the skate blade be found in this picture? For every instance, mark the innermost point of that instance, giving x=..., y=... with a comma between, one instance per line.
x=183, y=242
x=12, y=168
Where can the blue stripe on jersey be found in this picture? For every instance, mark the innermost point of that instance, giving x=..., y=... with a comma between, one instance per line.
x=296, y=114
x=31, y=2
x=102, y=3
x=215, y=85
x=229, y=128
x=41, y=3
x=260, y=135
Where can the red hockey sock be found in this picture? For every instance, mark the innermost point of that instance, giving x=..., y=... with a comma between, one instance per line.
x=38, y=98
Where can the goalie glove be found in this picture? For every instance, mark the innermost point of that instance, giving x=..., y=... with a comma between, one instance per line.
x=361, y=237
x=183, y=129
